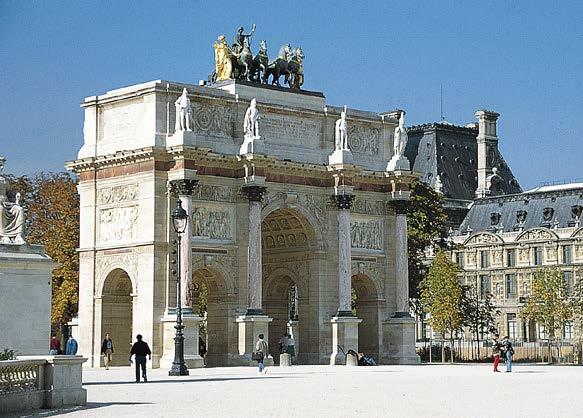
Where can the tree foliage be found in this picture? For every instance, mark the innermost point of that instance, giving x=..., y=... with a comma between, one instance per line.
x=52, y=206
x=576, y=301
x=426, y=220
x=441, y=295
x=549, y=303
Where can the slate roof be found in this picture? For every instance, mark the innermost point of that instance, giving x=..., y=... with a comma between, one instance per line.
x=561, y=200
x=452, y=153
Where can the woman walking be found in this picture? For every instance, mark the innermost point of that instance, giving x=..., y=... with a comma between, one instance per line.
x=261, y=354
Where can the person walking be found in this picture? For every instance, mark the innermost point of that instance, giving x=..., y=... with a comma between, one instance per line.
x=55, y=345
x=291, y=345
x=71, y=347
x=508, y=353
x=107, y=351
x=261, y=349
x=140, y=350
x=496, y=346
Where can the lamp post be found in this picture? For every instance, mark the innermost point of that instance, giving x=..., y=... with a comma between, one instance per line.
x=179, y=223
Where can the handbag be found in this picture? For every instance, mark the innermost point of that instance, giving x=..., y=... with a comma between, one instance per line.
x=257, y=355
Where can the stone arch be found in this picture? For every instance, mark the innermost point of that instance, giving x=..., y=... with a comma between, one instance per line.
x=578, y=233
x=105, y=265
x=117, y=298
x=367, y=304
x=223, y=267
x=314, y=224
x=483, y=238
x=217, y=315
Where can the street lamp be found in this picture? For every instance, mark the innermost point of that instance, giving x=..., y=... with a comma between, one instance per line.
x=179, y=222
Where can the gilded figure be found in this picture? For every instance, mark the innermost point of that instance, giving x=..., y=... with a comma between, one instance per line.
x=223, y=56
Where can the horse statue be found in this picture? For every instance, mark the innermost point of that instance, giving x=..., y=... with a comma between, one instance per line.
x=279, y=66
x=296, y=69
x=242, y=62
x=260, y=62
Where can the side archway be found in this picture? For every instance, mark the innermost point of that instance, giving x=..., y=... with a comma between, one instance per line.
x=366, y=303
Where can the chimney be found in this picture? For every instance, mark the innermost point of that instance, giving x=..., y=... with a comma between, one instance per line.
x=487, y=150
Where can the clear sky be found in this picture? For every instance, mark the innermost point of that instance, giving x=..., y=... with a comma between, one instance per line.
x=523, y=59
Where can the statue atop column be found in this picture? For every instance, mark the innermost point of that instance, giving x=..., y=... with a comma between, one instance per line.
x=11, y=214
x=341, y=132
x=250, y=128
x=399, y=161
x=342, y=154
x=183, y=112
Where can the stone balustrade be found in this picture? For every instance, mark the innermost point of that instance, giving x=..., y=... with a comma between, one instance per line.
x=33, y=382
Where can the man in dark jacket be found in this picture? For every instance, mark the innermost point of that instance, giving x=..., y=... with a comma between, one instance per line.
x=140, y=349
x=107, y=351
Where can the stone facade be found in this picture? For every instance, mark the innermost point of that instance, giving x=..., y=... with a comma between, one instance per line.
x=262, y=224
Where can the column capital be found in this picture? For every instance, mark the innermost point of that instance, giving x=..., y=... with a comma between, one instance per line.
x=343, y=201
x=182, y=187
x=400, y=206
x=253, y=192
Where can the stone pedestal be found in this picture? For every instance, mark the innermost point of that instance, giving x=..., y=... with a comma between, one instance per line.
x=340, y=157
x=25, y=298
x=344, y=335
x=398, y=163
x=399, y=341
x=351, y=360
x=285, y=360
x=250, y=326
x=191, y=324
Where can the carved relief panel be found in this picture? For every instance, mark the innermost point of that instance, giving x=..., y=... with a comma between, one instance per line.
x=117, y=213
x=367, y=233
x=363, y=139
x=284, y=130
x=213, y=222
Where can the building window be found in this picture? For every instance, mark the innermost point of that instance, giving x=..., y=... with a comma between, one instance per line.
x=568, y=330
x=538, y=255
x=484, y=260
x=459, y=259
x=512, y=327
x=567, y=254
x=510, y=258
x=568, y=276
x=511, y=287
x=484, y=286
x=542, y=335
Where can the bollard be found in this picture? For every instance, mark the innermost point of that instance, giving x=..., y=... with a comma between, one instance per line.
x=285, y=360
x=351, y=360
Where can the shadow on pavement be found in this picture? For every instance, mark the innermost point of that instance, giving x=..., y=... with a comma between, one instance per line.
x=201, y=380
x=66, y=410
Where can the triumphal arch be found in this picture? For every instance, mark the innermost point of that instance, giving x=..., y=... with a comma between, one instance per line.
x=297, y=222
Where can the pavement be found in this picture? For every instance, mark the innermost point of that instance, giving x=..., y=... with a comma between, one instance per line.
x=335, y=391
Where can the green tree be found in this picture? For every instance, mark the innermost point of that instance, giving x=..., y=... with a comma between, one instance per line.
x=576, y=304
x=549, y=303
x=441, y=297
x=426, y=225
x=479, y=314
x=52, y=207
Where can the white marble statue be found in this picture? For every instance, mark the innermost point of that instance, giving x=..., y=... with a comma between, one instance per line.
x=11, y=215
x=401, y=137
x=341, y=132
x=183, y=112
x=251, y=121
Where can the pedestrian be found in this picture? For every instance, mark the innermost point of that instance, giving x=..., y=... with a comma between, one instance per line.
x=140, y=350
x=496, y=347
x=260, y=354
x=71, y=347
x=508, y=353
x=55, y=345
x=291, y=345
x=107, y=351
x=283, y=342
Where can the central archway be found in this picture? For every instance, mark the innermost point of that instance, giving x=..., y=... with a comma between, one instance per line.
x=288, y=243
x=116, y=314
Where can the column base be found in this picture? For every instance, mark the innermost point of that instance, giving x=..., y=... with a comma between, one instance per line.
x=250, y=326
x=191, y=324
x=344, y=337
x=399, y=340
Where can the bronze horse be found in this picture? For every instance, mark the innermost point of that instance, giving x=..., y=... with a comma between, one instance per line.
x=278, y=67
x=260, y=62
x=242, y=62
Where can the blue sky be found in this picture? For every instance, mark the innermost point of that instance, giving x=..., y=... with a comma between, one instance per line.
x=523, y=59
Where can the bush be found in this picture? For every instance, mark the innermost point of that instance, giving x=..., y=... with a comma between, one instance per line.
x=7, y=354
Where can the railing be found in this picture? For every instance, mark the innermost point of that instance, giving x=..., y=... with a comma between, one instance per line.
x=16, y=376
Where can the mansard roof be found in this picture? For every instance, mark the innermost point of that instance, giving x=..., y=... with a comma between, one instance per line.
x=521, y=212
x=451, y=152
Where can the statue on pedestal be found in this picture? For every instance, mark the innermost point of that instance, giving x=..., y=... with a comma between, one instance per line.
x=251, y=121
x=401, y=137
x=183, y=112
x=11, y=214
x=341, y=132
